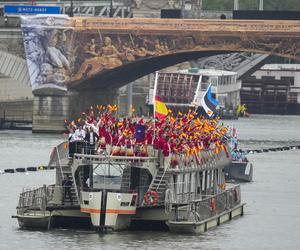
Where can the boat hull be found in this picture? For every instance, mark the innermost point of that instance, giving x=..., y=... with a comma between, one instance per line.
x=34, y=221
x=66, y=218
x=239, y=171
x=203, y=226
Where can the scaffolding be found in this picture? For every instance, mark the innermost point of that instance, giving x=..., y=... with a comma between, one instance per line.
x=177, y=89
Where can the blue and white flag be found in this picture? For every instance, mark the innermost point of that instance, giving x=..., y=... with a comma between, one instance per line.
x=208, y=102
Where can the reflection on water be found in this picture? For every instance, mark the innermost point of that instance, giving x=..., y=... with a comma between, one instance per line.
x=271, y=218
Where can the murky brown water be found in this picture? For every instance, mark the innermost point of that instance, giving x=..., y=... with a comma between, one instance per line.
x=272, y=214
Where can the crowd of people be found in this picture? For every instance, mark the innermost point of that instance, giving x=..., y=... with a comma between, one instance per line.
x=100, y=131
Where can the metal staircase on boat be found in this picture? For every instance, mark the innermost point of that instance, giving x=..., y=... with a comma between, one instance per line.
x=64, y=173
x=159, y=184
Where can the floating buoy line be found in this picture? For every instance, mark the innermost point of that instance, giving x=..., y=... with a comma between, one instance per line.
x=265, y=150
x=25, y=170
x=246, y=151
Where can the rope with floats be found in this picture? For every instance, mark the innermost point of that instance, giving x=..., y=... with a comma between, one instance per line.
x=25, y=170
x=246, y=151
x=265, y=150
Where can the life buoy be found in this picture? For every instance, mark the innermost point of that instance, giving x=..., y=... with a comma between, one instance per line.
x=151, y=197
x=213, y=204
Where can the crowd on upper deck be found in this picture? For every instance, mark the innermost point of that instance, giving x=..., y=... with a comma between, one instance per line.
x=100, y=131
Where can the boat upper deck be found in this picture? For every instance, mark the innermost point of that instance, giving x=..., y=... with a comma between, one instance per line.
x=204, y=160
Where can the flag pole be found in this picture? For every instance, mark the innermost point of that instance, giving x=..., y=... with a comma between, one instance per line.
x=154, y=97
x=198, y=90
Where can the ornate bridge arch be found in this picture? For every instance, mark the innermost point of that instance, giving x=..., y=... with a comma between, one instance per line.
x=110, y=52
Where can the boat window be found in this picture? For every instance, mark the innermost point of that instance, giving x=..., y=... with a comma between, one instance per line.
x=188, y=184
x=193, y=184
x=208, y=176
x=106, y=176
x=204, y=180
x=200, y=181
x=212, y=178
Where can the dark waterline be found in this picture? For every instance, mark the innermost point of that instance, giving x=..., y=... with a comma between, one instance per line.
x=271, y=218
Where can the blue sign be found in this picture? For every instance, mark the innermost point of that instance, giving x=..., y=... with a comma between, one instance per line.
x=31, y=9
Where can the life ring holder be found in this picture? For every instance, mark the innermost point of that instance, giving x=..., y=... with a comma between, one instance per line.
x=150, y=197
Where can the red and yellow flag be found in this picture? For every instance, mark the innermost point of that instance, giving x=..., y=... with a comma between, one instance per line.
x=161, y=110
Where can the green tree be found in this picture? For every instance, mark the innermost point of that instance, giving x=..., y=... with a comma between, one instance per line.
x=281, y=5
x=248, y=4
x=217, y=4
x=251, y=4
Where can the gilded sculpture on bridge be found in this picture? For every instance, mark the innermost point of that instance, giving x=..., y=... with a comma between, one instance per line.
x=63, y=52
x=115, y=53
x=108, y=57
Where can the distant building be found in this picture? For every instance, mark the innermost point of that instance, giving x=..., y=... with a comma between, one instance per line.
x=274, y=89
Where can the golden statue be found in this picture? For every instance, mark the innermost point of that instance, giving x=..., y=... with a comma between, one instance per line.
x=110, y=54
x=107, y=58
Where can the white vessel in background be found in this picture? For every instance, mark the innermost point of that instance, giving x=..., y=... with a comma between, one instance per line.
x=185, y=88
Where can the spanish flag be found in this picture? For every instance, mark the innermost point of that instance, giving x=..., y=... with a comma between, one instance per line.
x=161, y=110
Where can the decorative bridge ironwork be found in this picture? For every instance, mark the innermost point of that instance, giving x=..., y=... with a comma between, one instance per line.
x=83, y=52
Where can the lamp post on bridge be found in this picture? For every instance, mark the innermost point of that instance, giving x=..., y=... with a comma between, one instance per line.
x=236, y=5
x=111, y=14
x=261, y=4
x=71, y=13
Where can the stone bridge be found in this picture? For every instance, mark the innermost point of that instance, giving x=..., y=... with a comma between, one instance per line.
x=142, y=46
x=94, y=56
x=105, y=53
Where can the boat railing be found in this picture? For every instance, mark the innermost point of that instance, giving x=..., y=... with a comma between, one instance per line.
x=36, y=199
x=204, y=159
x=202, y=209
x=183, y=194
x=82, y=147
x=133, y=160
x=59, y=154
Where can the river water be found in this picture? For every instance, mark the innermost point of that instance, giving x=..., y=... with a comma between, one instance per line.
x=272, y=213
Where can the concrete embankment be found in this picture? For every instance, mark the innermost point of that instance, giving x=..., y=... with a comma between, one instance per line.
x=15, y=113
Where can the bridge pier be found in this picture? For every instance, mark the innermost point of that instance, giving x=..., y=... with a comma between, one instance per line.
x=50, y=110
